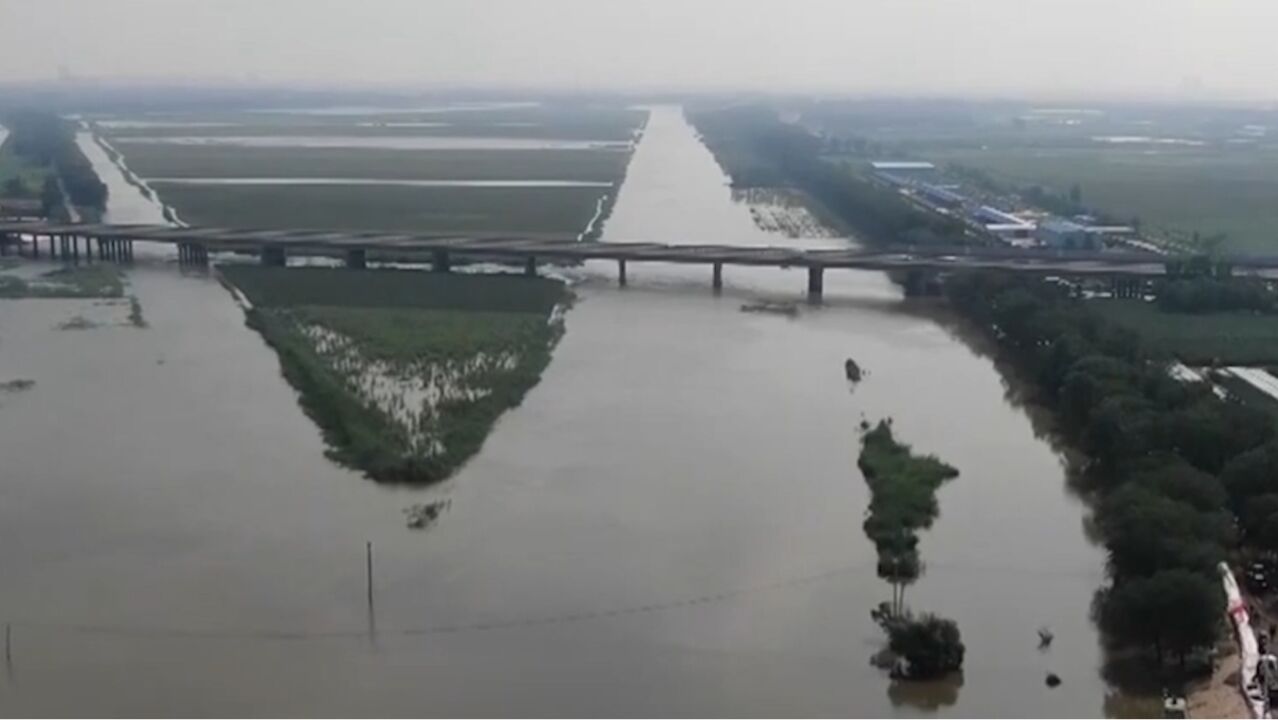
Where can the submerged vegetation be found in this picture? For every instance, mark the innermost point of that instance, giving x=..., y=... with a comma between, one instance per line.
x=759, y=151
x=404, y=371
x=902, y=501
x=1168, y=461
x=87, y=281
x=135, y=313
x=929, y=646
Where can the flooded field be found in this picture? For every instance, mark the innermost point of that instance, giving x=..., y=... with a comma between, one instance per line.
x=670, y=523
x=468, y=168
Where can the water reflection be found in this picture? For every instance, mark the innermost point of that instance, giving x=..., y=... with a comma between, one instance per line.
x=926, y=695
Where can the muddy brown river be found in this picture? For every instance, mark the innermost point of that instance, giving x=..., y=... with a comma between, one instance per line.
x=669, y=524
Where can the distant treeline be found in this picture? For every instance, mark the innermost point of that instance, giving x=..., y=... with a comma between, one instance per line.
x=758, y=150
x=44, y=139
x=1211, y=294
x=1181, y=478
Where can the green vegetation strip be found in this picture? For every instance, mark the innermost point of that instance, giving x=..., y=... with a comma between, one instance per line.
x=1175, y=473
x=94, y=281
x=1238, y=337
x=902, y=499
x=405, y=372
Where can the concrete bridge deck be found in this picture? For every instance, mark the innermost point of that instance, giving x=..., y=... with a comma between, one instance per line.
x=115, y=242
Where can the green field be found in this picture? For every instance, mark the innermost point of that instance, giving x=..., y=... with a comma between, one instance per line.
x=159, y=160
x=1231, y=338
x=272, y=287
x=405, y=372
x=1173, y=191
x=395, y=208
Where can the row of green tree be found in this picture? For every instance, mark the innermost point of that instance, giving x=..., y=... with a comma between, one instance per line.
x=44, y=139
x=1181, y=476
x=757, y=149
x=1216, y=294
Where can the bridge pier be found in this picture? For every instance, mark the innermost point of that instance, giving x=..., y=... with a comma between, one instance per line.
x=357, y=258
x=274, y=256
x=35, y=247
x=530, y=266
x=440, y=262
x=717, y=279
x=621, y=273
x=816, y=282
x=193, y=254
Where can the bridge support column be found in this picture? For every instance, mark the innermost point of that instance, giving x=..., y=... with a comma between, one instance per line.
x=357, y=258
x=816, y=283
x=75, y=249
x=717, y=280
x=530, y=266
x=440, y=262
x=273, y=256
x=35, y=246
x=621, y=273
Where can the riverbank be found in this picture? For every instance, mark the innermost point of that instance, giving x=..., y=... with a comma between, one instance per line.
x=404, y=371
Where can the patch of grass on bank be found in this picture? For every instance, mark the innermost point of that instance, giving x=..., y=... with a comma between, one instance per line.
x=405, y=372
x=1232, y=338
x=89, y=281
x=902, y=499
x=563, y=210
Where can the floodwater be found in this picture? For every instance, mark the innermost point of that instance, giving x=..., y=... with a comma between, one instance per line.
x=669, y=524
x=418, y=142
x=130, y=200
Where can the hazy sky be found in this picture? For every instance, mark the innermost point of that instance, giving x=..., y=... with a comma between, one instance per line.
x=1104, y=48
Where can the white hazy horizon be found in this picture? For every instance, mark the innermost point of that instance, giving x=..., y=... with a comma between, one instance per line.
x=1189, y=50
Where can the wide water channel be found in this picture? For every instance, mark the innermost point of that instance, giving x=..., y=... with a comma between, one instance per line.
x=669, y=524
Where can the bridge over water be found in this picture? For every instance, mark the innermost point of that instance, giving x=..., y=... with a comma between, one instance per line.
x=85, y=242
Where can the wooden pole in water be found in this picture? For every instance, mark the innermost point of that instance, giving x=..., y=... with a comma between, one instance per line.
x=8, y=646
x=368, y=547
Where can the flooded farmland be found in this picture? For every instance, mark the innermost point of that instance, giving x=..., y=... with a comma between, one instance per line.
x=670, y=523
